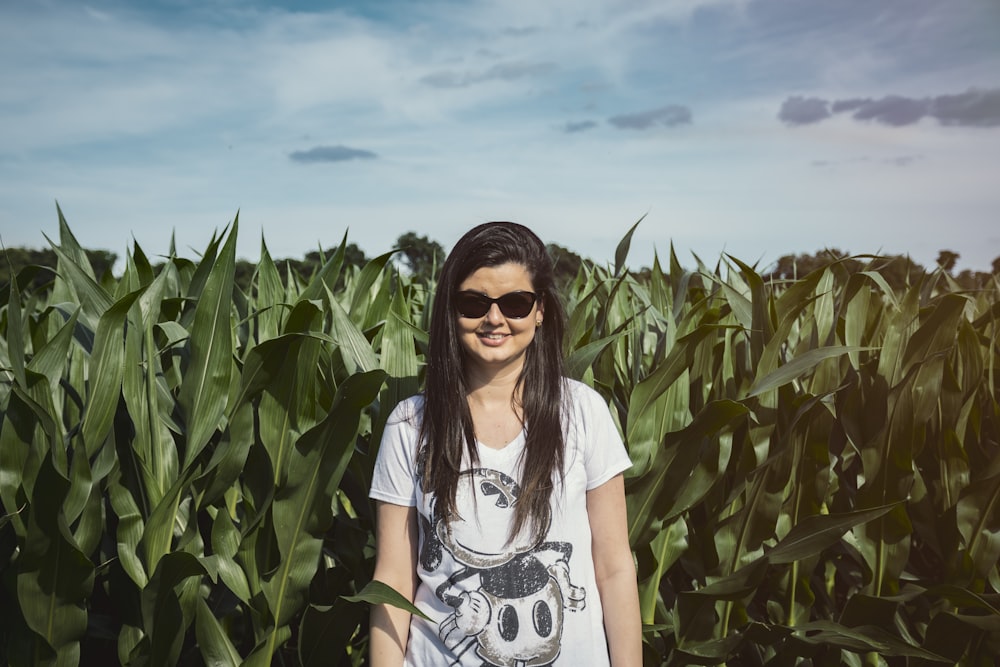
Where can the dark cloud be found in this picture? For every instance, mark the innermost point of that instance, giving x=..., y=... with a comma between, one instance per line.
x=893, y=110
x=331, y=154
x=581, y=126
x=973, y=108
x=669, y=116
x=839, y=106
x=803, y=110
x=501, y=72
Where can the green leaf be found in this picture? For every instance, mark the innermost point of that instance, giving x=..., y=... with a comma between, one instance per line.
x=649, y=389
x=93, y=299
x=19, y=460
x=165, y=615
x=815, y=533
x=55, y=578
x=15, y=333
x=107, y=368
x=862, y=639
x=270, y=296
x=581, y=359
x=673, y=486
x=937, y=332
x=326, y=631
x=225, y=544
x=129, y=533
x=326, y=279
x=216, y=648
x=978, y=520
x=799, y=366
x=206, y=380
x=354, y=347
x=668, y=546
x=621, y=252
x=376, y=592
x=361, y=287
x=50, y=360
x=302, y=508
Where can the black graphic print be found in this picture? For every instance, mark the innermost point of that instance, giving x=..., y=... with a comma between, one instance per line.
x=509, y=599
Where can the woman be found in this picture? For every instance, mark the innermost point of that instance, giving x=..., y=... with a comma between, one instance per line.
x=500, y=500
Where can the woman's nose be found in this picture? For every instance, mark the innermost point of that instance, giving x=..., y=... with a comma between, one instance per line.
x=493, y=315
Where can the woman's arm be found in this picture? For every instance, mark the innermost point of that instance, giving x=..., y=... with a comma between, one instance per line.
x=395, y=565
x=616, y=579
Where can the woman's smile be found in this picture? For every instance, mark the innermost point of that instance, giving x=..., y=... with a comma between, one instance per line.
x=493, y=338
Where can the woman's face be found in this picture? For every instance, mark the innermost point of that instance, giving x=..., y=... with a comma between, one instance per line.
x=494, y=341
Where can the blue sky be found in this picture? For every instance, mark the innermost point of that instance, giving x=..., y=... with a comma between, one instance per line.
x=753, y=127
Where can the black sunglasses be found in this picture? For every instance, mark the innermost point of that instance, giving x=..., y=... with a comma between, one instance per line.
x=513, y=305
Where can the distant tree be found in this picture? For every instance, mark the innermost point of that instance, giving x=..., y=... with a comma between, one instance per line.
x=975, y=280
x=566, y=264
x=947, y=259
x=791, y=267
x=244, y=273
x=353, y=256
x=39, y=266
x=421, y=256
x=900, y=271
x=996, y=266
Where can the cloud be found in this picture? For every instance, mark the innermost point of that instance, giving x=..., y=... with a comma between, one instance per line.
x=904, y=160
x=893, y=110
x=853, y=104
x=668, y=116
x=331, y=154
x=896, y=161
x=582, y=126
x=501, y=72
x=803, y=110
x=973, y=108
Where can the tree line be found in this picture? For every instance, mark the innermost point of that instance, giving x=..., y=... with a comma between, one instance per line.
x=420, y=256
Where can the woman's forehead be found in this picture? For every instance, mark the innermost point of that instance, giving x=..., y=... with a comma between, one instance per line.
x=503, y=278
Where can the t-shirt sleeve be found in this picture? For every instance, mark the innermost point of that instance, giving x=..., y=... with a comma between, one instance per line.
x=394, y=476
x=604, y=452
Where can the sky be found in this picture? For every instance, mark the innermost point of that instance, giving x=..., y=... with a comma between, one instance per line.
x=757, y=128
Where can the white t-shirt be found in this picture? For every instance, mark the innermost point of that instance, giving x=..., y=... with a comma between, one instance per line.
x=494, y=603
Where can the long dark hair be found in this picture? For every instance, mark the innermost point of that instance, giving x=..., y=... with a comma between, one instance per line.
x=446, y=430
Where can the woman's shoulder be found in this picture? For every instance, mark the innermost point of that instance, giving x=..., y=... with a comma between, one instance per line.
x=579, y=394
x=408, y=410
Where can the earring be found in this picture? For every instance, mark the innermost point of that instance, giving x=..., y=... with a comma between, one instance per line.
x=538, y=324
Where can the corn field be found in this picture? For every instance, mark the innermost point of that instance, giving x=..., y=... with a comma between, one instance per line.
x=184, y=464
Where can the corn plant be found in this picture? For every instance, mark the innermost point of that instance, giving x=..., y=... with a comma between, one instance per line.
x=815, y=474
x=184, y=465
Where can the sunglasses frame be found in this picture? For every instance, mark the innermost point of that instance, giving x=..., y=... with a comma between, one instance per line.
x=489, y=301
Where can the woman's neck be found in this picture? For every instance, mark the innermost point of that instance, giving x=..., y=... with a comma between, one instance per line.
x=495, y=408
x=489, y=387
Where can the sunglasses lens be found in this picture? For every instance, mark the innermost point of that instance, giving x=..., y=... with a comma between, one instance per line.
x=516, y=304
x=472, y=305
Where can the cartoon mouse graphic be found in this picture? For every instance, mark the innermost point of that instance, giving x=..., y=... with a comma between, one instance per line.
x=514, y=616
